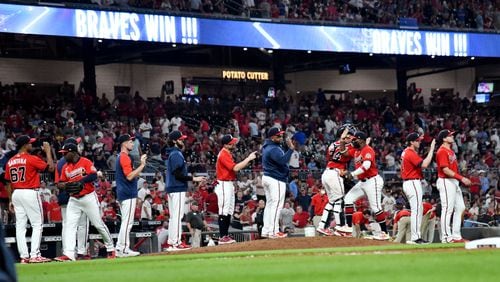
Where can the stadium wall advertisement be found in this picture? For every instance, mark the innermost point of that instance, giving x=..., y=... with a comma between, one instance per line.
x=57, y=21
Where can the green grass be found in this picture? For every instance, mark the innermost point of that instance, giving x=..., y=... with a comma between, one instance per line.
x=381, y=263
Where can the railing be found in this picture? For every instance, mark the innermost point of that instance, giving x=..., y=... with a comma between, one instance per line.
x=303, y=174
x=255, y=17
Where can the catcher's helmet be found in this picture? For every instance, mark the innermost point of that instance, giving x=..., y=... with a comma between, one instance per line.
x=352, y=129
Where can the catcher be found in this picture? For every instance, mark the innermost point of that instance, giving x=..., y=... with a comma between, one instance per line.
x=78, y=175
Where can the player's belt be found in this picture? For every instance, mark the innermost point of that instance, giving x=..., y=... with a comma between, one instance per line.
x=409, y=179
x=219, y=180
x=364, y=180
x=34, y=189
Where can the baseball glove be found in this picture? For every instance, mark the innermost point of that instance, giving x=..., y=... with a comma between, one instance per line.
x=73, y=187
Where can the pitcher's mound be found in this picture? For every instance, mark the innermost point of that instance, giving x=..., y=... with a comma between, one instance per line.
x=287, y=243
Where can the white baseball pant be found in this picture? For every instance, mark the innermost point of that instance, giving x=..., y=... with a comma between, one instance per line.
x=413, y=192
x=452, y=203
x=334, y=187
x=275, y=198
x=127, y=209
x=88, y=204
x=372, y=188
x=28, y=206
x=176, y=206
x=81, y=234
x=225, y=197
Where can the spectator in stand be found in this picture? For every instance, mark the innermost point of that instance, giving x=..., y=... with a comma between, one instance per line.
x=143, y=191
x=54, y=210
x=286, y=218
x=300, y=219
x=147, y=209
x=318, y=203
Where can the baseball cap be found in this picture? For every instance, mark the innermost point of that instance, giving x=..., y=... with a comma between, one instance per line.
x=274, y=131
x=414, y=137
x=443, y=134
x=194, y=203
x=73, y=140
x=360, y=135
x=125, y=138
x=176, y=135
x=69, y=147
x=228, y=139
x=23, y=140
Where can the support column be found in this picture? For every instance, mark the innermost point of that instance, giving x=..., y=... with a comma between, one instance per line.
x=88, y=56
x=401, y=94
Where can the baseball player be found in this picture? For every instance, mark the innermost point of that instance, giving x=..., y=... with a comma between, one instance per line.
x=63, y=199
x=369, y=183
x=339, y=154
x=22, y=172
x=226, y=170
x=275, y=166
x=177, y=178
x=411, y=174
x=80, y=171
x=126, y=189
x=452, y=201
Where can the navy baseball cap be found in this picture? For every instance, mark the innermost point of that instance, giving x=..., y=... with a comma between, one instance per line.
x=414, y=137
x=73, y=140
x=360, y=135
x=69, y=147
x=274, y=131
x=443, y=134
x=228, y=139
x=176, y=135
x=125, y=138
x=23, y=140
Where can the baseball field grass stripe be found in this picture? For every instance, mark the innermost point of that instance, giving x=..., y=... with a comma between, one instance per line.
x=383, y=263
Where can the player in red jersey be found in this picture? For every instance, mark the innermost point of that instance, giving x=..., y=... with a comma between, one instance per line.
x=452, y=201
x=411, y=174
x=81, y=169
x=339, y=154
x=226, y=170
x=22, y=172
x=369, y=183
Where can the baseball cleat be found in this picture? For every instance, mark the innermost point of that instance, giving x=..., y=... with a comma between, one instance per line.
x=226, y=240
x=461, y=240
x=381, y=236
x=112, y=254
x=39, y=259
x=344, y=229
x=63, y=258
x=324, y=231
x=278, y=235
x=127, y=253
x=24, y=261
x=83, y=257
x=180, y=247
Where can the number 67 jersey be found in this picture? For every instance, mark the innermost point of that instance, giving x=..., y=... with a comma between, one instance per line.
x=22, y=171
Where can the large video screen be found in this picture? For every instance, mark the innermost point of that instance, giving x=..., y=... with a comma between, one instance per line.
x=107, y=24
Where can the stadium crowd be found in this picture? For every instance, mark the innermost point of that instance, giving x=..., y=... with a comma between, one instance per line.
x=311, y=120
